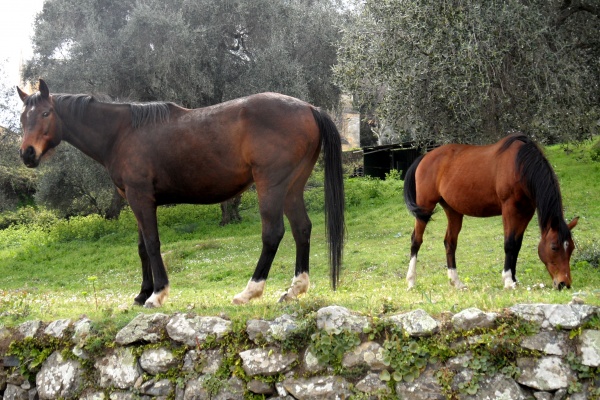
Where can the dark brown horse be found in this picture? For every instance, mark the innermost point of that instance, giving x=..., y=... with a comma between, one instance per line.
x=160, y=153
x=511, y=178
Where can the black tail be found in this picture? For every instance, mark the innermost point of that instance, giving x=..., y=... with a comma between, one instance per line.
x=335, y=226
x=410, y=192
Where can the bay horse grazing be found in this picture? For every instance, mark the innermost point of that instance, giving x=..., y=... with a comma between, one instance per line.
x=160, y=153
x=511, y=178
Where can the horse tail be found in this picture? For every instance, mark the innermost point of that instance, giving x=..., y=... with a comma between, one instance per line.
x=410, y=192
x=335, y=226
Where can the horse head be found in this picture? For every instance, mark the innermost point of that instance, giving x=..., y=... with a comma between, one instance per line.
x=40, y=125
x=556, y=254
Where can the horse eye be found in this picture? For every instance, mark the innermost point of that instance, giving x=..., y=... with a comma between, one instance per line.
x=45, y=114
x=554, y=247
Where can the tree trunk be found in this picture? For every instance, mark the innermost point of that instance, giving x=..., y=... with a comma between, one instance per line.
x=230, y=210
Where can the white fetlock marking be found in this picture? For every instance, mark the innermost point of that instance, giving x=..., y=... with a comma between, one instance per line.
x=454, y=280
x=157, y=299
x=252, y=291
x=411, y=275
x=508, y=281
x=300, y=285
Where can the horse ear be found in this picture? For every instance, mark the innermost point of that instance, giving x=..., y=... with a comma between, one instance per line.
x=44, y=89
x=573, y=223
x=22, y=94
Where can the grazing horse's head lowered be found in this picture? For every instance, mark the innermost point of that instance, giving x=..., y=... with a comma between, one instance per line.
x=511, y=178
x=555, y=251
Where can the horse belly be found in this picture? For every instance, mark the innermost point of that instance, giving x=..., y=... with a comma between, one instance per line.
x=474, y=203
x=201, y=185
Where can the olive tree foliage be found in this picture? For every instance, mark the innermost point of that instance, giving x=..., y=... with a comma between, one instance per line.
x=469, y=70
x=195, y=53
x=16, y=181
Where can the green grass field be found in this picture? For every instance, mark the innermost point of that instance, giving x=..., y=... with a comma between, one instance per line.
x=52, y=268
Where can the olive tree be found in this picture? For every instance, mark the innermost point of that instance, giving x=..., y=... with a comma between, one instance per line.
x=468, y=71
x=193, y=53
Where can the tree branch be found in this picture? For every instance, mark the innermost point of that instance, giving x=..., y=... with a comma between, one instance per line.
x=571, y=7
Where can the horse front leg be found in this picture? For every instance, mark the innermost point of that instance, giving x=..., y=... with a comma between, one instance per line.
x=147, y=283
x=512, y=246
x=515, y=219
x=154, y=279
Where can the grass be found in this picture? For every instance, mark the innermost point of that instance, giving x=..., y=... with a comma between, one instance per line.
x=53, y=268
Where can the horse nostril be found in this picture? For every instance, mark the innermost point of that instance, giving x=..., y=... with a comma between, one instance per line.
x=28, y=156
x=561, y=286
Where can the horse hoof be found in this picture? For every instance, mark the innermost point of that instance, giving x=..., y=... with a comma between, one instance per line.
x=286, y=298
x=157, y=299
x=239, y=300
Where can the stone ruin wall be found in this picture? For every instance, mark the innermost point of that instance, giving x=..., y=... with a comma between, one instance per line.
x=184, y=356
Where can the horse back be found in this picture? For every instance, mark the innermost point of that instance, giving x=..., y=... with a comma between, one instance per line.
x=208, y=155
x=472, y=180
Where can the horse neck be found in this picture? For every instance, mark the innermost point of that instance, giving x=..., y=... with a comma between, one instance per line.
x=96, y=130
x=542, y=185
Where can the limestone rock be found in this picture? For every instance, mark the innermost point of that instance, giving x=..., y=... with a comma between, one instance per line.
x=335, y=319
x=144, y=327
x=155, y=361
x=119, y=369
x=260, y=387
x=195, y=330
x=425, y=387
x=589, y=347
x=373, y=385
x=267, y=361
x=499, y=387
x=330, y=387
x=311, y=362
x=369, y=353
x=416, y=323
x=209, y=361
x=59, y=378
x=198, y=389
x=57, y=328
x=472, y=318
x=546, y=373
x=550, y=342
x=93, y=396
x=81, y=330
x=271, y=331
x=14, y=392
x=160, y=388
x=30, y=328
x=565, y=316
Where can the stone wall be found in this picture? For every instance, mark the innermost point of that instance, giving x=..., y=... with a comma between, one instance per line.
x=528, y=351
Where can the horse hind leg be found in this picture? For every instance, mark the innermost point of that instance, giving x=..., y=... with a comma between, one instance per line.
x=416, y=242
x=301, y=226
x=450, y=242
x=271, y=212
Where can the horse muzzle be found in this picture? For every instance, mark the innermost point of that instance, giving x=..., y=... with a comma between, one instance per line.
x=561, y=285
x=29, y=157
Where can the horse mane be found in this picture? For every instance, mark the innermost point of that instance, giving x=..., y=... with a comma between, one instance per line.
x=141, y=113
x=541, y=183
